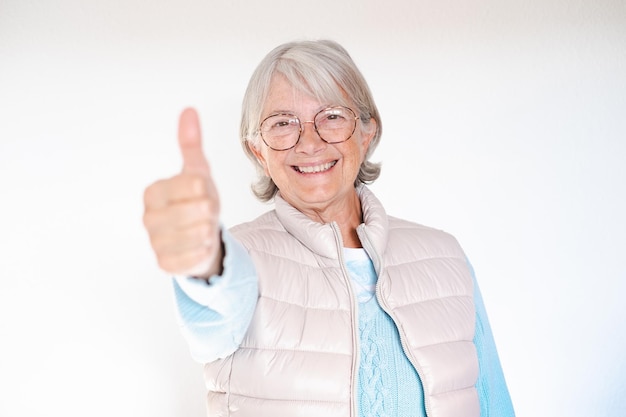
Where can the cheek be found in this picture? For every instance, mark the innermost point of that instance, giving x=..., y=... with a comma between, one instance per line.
x=273, y=165
x=361, y=150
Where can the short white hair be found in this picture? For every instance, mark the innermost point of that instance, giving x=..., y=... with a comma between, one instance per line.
x=322, y=69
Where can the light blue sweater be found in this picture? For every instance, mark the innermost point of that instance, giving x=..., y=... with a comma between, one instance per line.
x=214, y=319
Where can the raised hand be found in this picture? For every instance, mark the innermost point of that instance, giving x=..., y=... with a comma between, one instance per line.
x=181, y=214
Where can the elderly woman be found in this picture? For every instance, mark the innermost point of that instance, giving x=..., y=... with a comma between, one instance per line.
x=324, y=306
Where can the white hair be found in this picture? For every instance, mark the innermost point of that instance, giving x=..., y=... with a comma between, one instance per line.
x=322, y=69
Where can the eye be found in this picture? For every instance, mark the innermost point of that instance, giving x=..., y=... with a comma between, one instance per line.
x=280, y=122
x=332, y=118
x=335, y=114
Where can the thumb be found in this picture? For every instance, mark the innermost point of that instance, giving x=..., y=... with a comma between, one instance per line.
x=190, y=143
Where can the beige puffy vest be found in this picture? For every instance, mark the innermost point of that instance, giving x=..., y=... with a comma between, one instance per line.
x=299, y=357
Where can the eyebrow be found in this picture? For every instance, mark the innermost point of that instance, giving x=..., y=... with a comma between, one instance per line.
x=293, y=113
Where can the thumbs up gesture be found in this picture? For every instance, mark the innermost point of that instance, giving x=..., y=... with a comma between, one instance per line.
x=182, y=212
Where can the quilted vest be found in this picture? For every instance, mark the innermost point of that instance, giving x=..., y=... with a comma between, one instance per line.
x=299, y=357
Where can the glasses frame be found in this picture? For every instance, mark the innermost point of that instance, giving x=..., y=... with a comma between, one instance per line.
x=301, y=126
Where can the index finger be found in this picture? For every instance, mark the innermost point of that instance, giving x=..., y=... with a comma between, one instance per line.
x=179, y=188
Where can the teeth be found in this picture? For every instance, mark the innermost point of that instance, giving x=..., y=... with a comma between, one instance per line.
x=317, y=168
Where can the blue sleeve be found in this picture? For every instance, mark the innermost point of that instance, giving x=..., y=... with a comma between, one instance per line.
x=493, y=393
x=215, y=317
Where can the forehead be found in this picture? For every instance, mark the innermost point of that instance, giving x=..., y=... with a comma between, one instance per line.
x=282, y=93
x=300, y=96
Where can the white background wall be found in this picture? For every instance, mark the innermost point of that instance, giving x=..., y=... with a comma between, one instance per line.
x=504, y=124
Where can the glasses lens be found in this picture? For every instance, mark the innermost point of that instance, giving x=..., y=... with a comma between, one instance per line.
x=335, y=124
x=280, y=131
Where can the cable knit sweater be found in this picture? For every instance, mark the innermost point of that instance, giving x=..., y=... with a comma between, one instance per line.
x=388, y=383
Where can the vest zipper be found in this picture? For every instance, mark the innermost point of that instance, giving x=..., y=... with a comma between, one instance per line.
x=354, y=316
x=369, y=248
x=405, y=348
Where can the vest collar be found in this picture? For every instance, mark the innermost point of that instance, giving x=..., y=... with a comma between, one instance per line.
x=320, y=237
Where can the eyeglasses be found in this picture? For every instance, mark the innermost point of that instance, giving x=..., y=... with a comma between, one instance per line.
x=282, y=131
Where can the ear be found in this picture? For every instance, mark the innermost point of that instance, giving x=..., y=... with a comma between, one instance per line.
x=259, y=156
x=369, y=130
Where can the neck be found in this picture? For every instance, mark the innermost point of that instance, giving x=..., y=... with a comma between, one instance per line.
x=348, y=215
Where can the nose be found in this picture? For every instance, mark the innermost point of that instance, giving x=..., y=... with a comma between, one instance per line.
x=310, y=141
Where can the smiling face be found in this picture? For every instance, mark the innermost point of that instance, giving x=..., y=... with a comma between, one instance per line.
x=315, y=177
